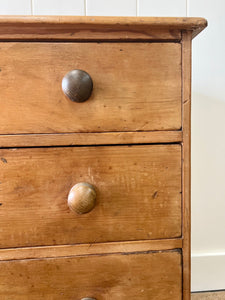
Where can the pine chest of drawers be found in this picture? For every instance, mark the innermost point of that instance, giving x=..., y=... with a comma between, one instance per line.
x=95, y=157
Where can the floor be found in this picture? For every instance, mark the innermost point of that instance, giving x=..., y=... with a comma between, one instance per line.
x=208, y=296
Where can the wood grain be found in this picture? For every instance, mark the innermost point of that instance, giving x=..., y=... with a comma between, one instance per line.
x=89, y=249
x=104, y=138
x=138, y=194
x=140, y=92
x=101, y=277
x=97, y=28
x=186, y=159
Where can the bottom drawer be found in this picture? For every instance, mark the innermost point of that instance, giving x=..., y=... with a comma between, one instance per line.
x=146, y=276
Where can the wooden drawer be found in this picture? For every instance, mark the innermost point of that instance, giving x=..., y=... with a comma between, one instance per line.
x=138, y=194
x=146, y=276
x=137, y=87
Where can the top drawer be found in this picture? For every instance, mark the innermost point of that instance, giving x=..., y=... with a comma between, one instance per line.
x=137, y=87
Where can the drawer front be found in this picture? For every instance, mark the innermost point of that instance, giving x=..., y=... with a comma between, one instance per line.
x=137, y=87
x=146, y=276
x=138, y=194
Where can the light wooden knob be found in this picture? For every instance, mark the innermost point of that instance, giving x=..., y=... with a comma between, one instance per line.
x=82, y=198
x=88, y=299
x=77, y=85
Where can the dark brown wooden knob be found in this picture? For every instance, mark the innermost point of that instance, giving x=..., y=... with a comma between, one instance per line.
x=82, y=198
x=77, y=85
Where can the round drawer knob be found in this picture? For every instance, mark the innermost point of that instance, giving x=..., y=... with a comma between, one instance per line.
x=77, y=85
x=82, y=198
x=88, y=299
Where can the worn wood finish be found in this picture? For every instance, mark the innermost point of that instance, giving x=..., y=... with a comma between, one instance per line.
x=97, y=28
x=115, y=276
x=186, y=159
x=73, y=139
x=138, y=188
x=140, y=92
x=89, y=249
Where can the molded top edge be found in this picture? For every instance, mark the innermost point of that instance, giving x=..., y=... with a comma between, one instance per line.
x=92, y=22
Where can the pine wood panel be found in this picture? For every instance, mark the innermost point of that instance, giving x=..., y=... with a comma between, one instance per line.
x=138, y=194
x=97, y=28
x=186, y=163
x=103, y=138
x=89, y=249
x=137, y=87
x=146, y=276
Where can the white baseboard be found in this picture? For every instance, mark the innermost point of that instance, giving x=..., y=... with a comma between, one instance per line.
x=208, y=271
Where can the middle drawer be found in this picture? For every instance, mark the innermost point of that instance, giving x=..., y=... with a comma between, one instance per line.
x=138, y=194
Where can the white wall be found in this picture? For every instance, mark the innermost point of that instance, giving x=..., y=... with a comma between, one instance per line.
x=208, y=115
x=208, y=148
